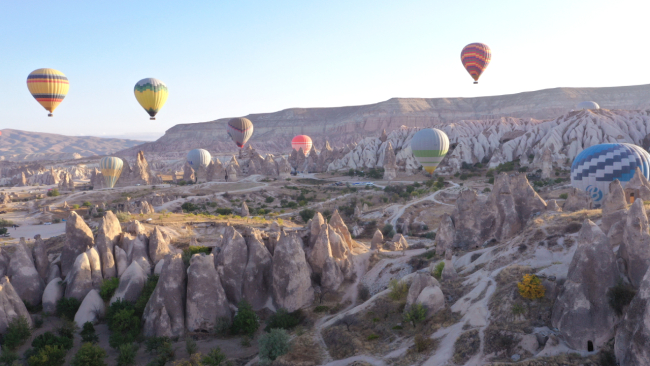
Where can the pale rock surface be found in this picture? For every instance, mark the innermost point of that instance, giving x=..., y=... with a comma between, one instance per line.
x=231, y=264
x=582, y=312
x=420, y=282
x=551, y=205
x=11, y=305
x=547, y=164
x=315, y=226
x=39, y=253
x=449, y=272
x=92, y=309
x=78, y=239
x=337, y=222
x=389, y=162
x=445, y=236
x=377, y=240
x=136, y=251
x=95, y=267
x=577, y=200
x=132, y=282
x=121, y=261
x=639, y=186
x=614, y=206
x=79, y=280
x=636, y=241
x=164, y=315
x=292, y=288
x=398, y=243
x=206, y=299
x=24, y=277
x=53, y=293
x=633, y=333
x=432, y=298
x=243, y=212
x=158, y=246
x=53, y=271
x=257, y=283
x=189, y=174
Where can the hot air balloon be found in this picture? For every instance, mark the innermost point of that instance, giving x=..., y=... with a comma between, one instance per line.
x=48, y=87
x=151, y=94
x=475, y=57
x=111, y=168
x=588, y=105
x=429, y=146
x=199, y=157
x=302, y=141
x=240, y=130
x=597, y=166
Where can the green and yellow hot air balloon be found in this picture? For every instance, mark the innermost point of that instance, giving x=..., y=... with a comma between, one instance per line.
x=151, y=94
x=111, y=168
x=48, y=87
x=429, y=146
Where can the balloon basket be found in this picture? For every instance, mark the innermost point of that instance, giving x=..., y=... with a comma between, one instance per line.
x=50, y=115
x=152, y=118
x=476, y=82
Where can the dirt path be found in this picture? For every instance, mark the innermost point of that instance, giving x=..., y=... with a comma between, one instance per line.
x=432, y=197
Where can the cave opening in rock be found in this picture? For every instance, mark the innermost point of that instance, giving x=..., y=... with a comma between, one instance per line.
x=590, y=346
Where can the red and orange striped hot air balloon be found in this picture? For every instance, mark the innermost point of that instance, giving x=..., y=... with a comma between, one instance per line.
x=475, y=57
x=303, y=141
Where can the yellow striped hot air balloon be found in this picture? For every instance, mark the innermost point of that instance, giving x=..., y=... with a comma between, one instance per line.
x=151, y=94
x=111, y=168
x=48, y=87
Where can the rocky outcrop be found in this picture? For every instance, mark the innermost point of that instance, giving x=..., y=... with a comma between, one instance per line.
x=121, y=262
x=231, y=264
x=107, y=236
x=614, y=206
x=547, y=164
x=398, y=243
x=292, y=288
x=636, y=240
x=577, y=200
x=638, y=187
x=446, y=235
x=131, y=284
x=256, y=287
x=136, y=250
x=284, y=168
x=243, y=212
x=206, y=299
x=11, y=305
x=53, y=293
x=418, y=283
x=377, y=240
x=315, y=226
x=339, y=225
x=582, y=312
x=66, y=183
x=390, y=164
x=449, y=272
x=158, y=246
x=79, y=280
x=297, y=159
x=232, y=171
x=39, y=253
x=92, y=309
x=164, y=315
x=216, y=172
x=269, y=166
x=24, y=277
x=78, y=239
x=189, y=175
x=139, y=173
x=551, y=205
x=95, y=267
x=633, y=333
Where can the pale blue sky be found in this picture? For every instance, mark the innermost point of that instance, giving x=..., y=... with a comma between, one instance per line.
x=232, y=58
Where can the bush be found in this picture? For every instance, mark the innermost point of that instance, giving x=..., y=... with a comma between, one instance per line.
x=620, y=296
x=246, y=321
x=372, y=337
x=88, y=334
x=123, y=216
x=49, y=339
x=437, y=271
x=421, y=343
x=564, y=196
x=273, y=345
x=523, y=169
x=531, y=287
x=214, y=358
x=38, y=322
x=89, y=355
x=222, y=326
x=108, y=288
x=189, y=207
x=126, y=357
x=487, y=190
x=86, y=204
x=284, y=320
x=190, y=346
x=54, y=192
x=224, y=211
x=416, y=314
x=387, y=229
x=75, y=206
x=463, y=177
x=48, y=356
x=163, y=349
x=67, y=307
x=18, y=331
x=123, y=322
x=398, y=289
x=270, y=199
x=363, y=292
x=191, y=250
x=8, y=357
x=307, y=214
x=149, y=287
x=321, y=309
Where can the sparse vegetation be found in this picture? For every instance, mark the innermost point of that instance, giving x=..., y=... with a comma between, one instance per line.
x=123, y=323
x=417, y=313
x=108, y=288
x=123, y=216
x=564, y=196
x=18, y=331
x=48, y=356
x=273, y=345
x=191, y=250
x=190, y=346
x=246, y=321
x=466, y=346
x=284, y=320
x=126, y=356
x=214, y=358
x=149, y=287
x=437, y=271
x=54, y=192
x=398, y=289
x=321, y=309
x=307, y=214
x=531, y=287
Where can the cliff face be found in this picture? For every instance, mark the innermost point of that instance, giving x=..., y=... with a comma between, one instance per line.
x=343, y=125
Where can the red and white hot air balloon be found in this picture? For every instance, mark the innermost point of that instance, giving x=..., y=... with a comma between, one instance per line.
x=303, y=141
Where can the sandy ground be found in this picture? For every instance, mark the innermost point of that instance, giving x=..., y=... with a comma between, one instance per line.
x=46, y=231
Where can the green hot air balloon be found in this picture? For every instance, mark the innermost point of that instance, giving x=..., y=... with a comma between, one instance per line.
x=429, y=146
x=111, y=168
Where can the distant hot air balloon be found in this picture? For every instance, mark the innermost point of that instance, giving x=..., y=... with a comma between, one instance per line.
x=429, y=146
x=588, y=105
x=111, y=168
x=48, y=87
x=597, y=166
x=302, y=141
x=151, y=94
x=240, y=130
x=199, y=157
x=475, y=57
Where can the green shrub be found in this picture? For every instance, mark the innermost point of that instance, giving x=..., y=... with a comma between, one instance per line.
x=270, y=199
x=123, y=323
x=108, y=288
x=123, y=216
x=67, y=307
x=126, y=357
x=321, y=309
x=491, y=180
x=89, y=355
x=437, y=271
x=273, y=345
x=214, y=358
x=387, y=229
x=48, y=356
x=54, y=192
x=33, y=309
x=86, y=204
x=191, y=250
x=8, y=357
x=246, y=321
x=398, y=289
x=222, y=326
x=88, y=333
x=75, y=206
x=564, y=196
x=417, y=313
x=363, y=292
x=283, y=319
x=49, y=339
x=18, y=331
x=620, y=296
x=38, y=322
x=397, y=327
x=372, y=337
x=190, y=346
x=307, y=214
x=148, y=289
x=224, y=211
x=153, y=344
x=189, y=207
x=164, y=352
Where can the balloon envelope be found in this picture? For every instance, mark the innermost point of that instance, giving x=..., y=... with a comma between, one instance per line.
x=597, y=166
x=48, y=87
x=429, y=146
x=588, y=105
x=302, y=141
x=111, y=168
x=475, y=58
x=240, y=130
x=151, y=94
x=199, y=157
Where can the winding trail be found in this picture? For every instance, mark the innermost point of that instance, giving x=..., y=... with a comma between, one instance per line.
x=432, y=197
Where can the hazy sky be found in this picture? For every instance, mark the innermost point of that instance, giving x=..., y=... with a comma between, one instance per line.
x=231, y=58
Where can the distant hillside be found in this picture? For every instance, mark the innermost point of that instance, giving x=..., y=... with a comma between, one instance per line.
x=341, y=125
x=16, y=145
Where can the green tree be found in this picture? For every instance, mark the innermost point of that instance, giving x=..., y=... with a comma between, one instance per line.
x=108, y=288
x=18, y=331
x=48, y=356
x=273, y=345
x=246, y=321
x=88, y=333
x=89, y=355
x=214, y=358
x=417, y=313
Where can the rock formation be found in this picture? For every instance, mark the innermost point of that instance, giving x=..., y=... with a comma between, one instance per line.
x=297, y=159
x=11, y=305
x=53, y=293
x=131, y=283
x=121, y=262
x=377, y=240
x=25, y=279
x=636, y=240
x=633, y=334
x=336, y=221
x=398, y=243
x=79, y=280
x=39, y=253
x=95, y=267
x=164, y=315
x=390, y=166
x=158, y=246
x=92, y=308
x=547, y=164
x=189, y=175
x=78, y=239
x=446, y=235
x=216, y=172
x=284, y=168
x=291, y=275
x=243, y=212
x=256, y=286
x=231, y=264
x=591, y=273
x=638, y=187
x=107, y=236
x=140, y=173
x=614, y=206
x=577, y=200
x=206, y=299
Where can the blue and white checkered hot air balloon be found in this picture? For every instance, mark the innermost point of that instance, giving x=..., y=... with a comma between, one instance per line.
x=597, y=166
